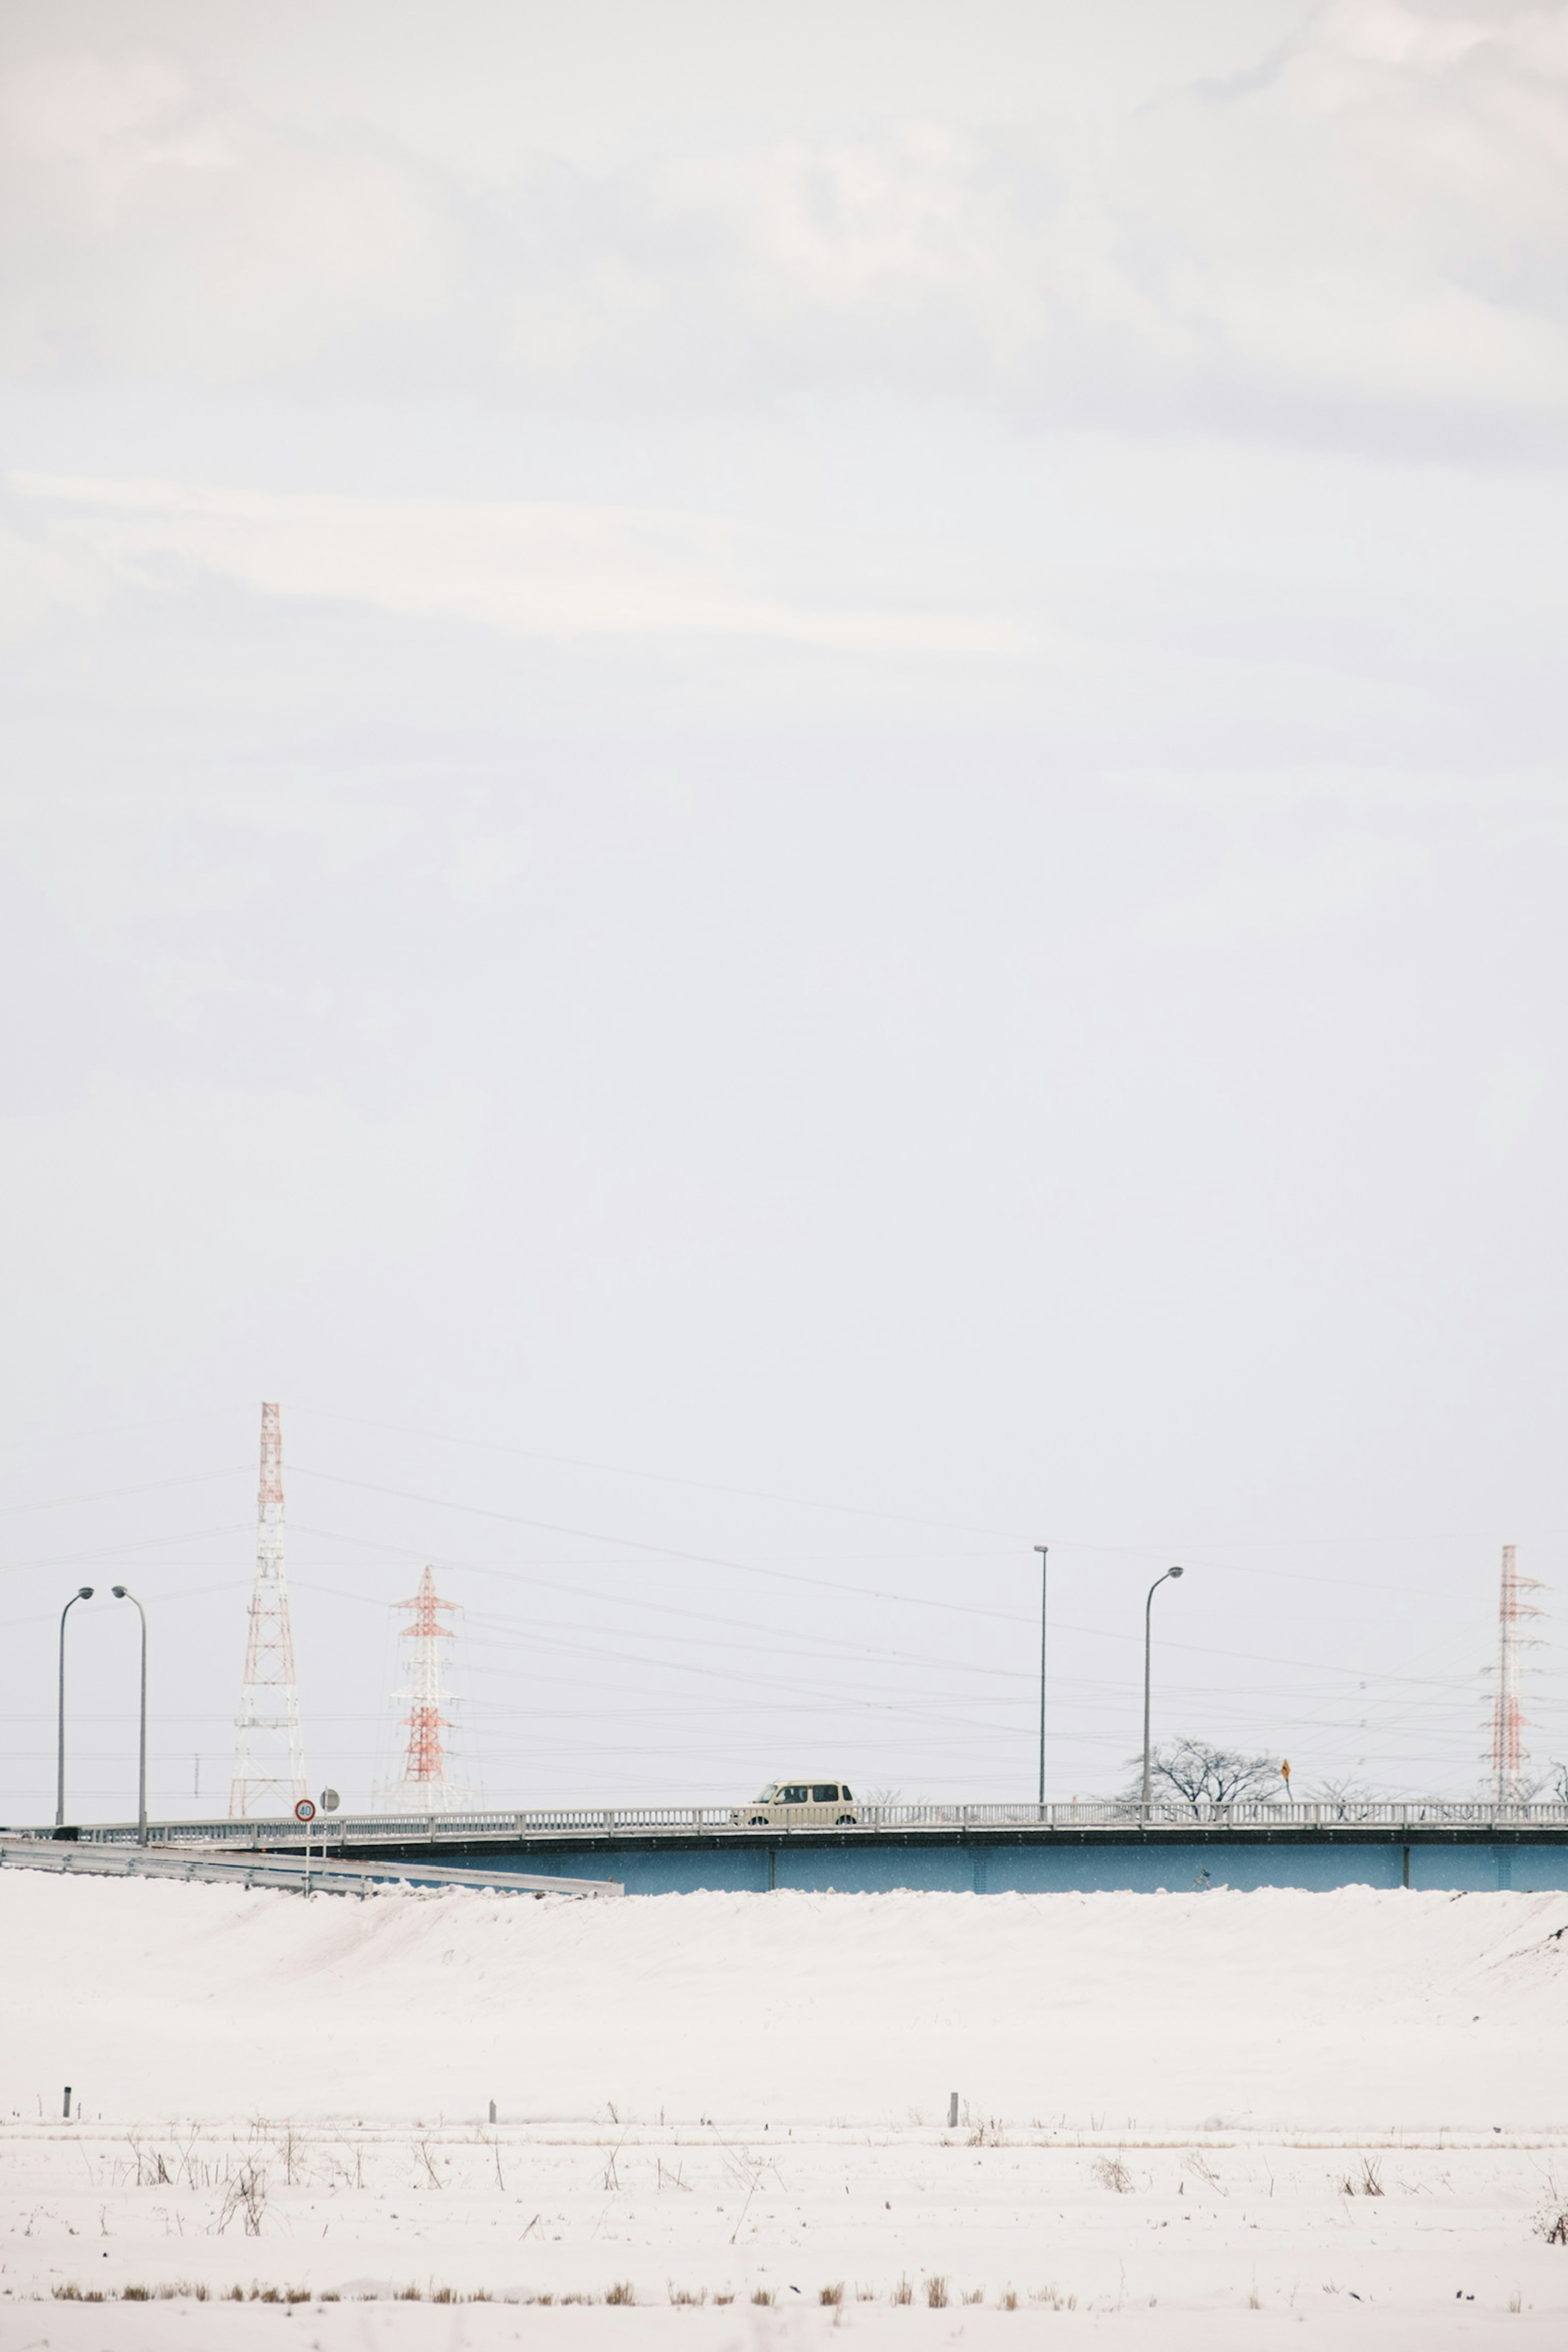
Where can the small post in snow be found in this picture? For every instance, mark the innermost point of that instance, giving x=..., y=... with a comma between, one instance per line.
x=66, y=2110
x=492, y=2111
x=952, y=2111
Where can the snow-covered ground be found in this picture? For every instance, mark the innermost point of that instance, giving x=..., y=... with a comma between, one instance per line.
x=1184, y=2119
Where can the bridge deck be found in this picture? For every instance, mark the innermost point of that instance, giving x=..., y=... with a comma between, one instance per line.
x=991, y=1849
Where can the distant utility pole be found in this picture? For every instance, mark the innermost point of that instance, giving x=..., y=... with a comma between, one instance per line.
x=268, y=1758
x=1508, y=1718
x=1044, y=1551
x=424, y=1787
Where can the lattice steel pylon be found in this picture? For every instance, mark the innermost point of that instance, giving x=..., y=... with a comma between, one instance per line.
x=426, y=1785
x=1508, y=1718
x=269, y=1750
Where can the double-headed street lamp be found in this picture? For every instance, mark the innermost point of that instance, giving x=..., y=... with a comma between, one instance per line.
x=85, y=1594
x=1148, y=1637
x=122, y=1594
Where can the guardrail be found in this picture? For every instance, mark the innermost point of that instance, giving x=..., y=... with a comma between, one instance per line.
x=333, y=1876
x=596, y=1820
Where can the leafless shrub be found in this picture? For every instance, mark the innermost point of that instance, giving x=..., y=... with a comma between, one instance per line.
x=1111, y=2173
x=245, y=2194
x=936, y=2292
x=1367, y=2182
x=1553, y=2226
x=1201, y=2170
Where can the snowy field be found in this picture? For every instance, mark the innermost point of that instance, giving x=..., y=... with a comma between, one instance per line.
x=1187, y=2121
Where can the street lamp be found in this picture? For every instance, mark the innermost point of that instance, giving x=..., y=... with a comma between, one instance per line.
x=83, y=1593
x=1148, y=1636
x=120, y=1594
x=1043, y=1551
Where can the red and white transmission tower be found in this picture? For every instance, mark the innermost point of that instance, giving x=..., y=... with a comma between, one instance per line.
x=425, y=1785
x=268, y=1753
x=1508, y=1718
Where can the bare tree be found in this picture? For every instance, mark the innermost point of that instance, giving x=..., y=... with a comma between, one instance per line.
x=1203, y=1777
x=1343, y=1796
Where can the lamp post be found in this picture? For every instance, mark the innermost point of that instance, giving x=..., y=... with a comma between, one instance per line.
x=122, y=1594
x=1042, y=1550
x=1148, y=1640
x=83, y=1593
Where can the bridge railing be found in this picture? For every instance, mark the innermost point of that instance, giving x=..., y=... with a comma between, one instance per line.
x=597, y=1820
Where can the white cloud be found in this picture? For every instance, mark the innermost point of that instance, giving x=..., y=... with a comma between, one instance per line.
x=551, y=571
x=154, y=225
x=1368, y=226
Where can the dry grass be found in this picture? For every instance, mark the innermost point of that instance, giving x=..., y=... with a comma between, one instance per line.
x=622, y=2291
x=833, y=2294
x=1111, y=2173
x=764, y=2294
x=936, y=2292
x=902, y=2293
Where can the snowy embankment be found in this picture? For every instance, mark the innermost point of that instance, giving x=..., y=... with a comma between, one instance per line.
x=1350, y=2010
x=1183, y=2117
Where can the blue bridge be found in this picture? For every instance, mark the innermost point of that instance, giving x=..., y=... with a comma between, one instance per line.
x=969, y=1849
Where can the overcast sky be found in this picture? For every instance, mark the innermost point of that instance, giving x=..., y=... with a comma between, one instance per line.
x=785, y=805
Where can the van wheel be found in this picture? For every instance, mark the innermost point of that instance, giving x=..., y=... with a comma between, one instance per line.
x=758, y=1822
x=845, y=1820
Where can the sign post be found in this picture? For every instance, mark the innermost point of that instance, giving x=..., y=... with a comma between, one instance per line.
x=305, y=1813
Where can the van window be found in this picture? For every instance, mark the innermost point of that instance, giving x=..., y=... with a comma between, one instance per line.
x=826, y=1792
x=848, y=1795
x=794, y=1795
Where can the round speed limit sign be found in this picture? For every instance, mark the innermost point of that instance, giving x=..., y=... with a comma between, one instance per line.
x=305, y=1811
